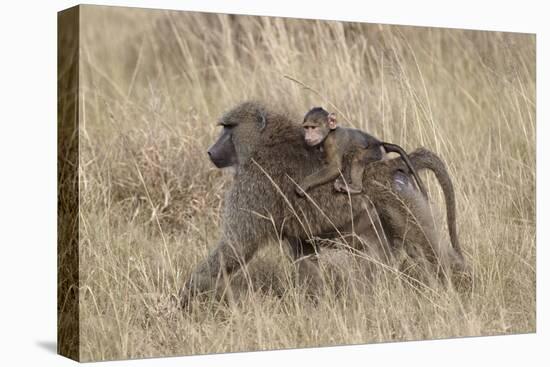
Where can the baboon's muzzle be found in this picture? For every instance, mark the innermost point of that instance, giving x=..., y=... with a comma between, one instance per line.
x=222, y=153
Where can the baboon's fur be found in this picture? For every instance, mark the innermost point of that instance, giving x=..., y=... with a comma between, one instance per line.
x=261, y=204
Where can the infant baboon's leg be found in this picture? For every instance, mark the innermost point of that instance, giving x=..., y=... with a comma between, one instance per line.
x=356, y=171
x=357, y=168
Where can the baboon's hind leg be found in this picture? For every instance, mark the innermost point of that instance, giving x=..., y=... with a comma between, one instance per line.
x=419, y=237
x=308, y=273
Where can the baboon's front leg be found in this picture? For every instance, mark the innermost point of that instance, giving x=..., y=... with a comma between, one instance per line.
x=210, y=275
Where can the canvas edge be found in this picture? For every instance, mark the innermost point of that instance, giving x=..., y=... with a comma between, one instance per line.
x=68, y=322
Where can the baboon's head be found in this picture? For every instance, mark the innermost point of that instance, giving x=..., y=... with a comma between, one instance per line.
x=240, y=135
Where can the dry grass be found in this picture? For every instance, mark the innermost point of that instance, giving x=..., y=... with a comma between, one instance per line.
x=152, y=85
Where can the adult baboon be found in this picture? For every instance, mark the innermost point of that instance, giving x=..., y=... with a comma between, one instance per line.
x=269, y=156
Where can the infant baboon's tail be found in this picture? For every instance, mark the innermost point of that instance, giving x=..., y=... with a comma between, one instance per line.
x=397, y=149
x=424, y=159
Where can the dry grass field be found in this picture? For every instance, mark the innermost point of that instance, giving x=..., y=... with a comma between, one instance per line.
x=153, y=84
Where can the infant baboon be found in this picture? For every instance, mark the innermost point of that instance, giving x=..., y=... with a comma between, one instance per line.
x=321, y=129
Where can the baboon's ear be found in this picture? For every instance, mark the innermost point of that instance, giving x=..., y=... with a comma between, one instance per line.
x=332, y=121
x=262, y=121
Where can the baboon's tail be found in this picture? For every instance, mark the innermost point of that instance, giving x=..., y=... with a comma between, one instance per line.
x=425, y=159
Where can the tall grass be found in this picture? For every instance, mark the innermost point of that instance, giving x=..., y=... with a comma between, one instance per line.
x=153, y=84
